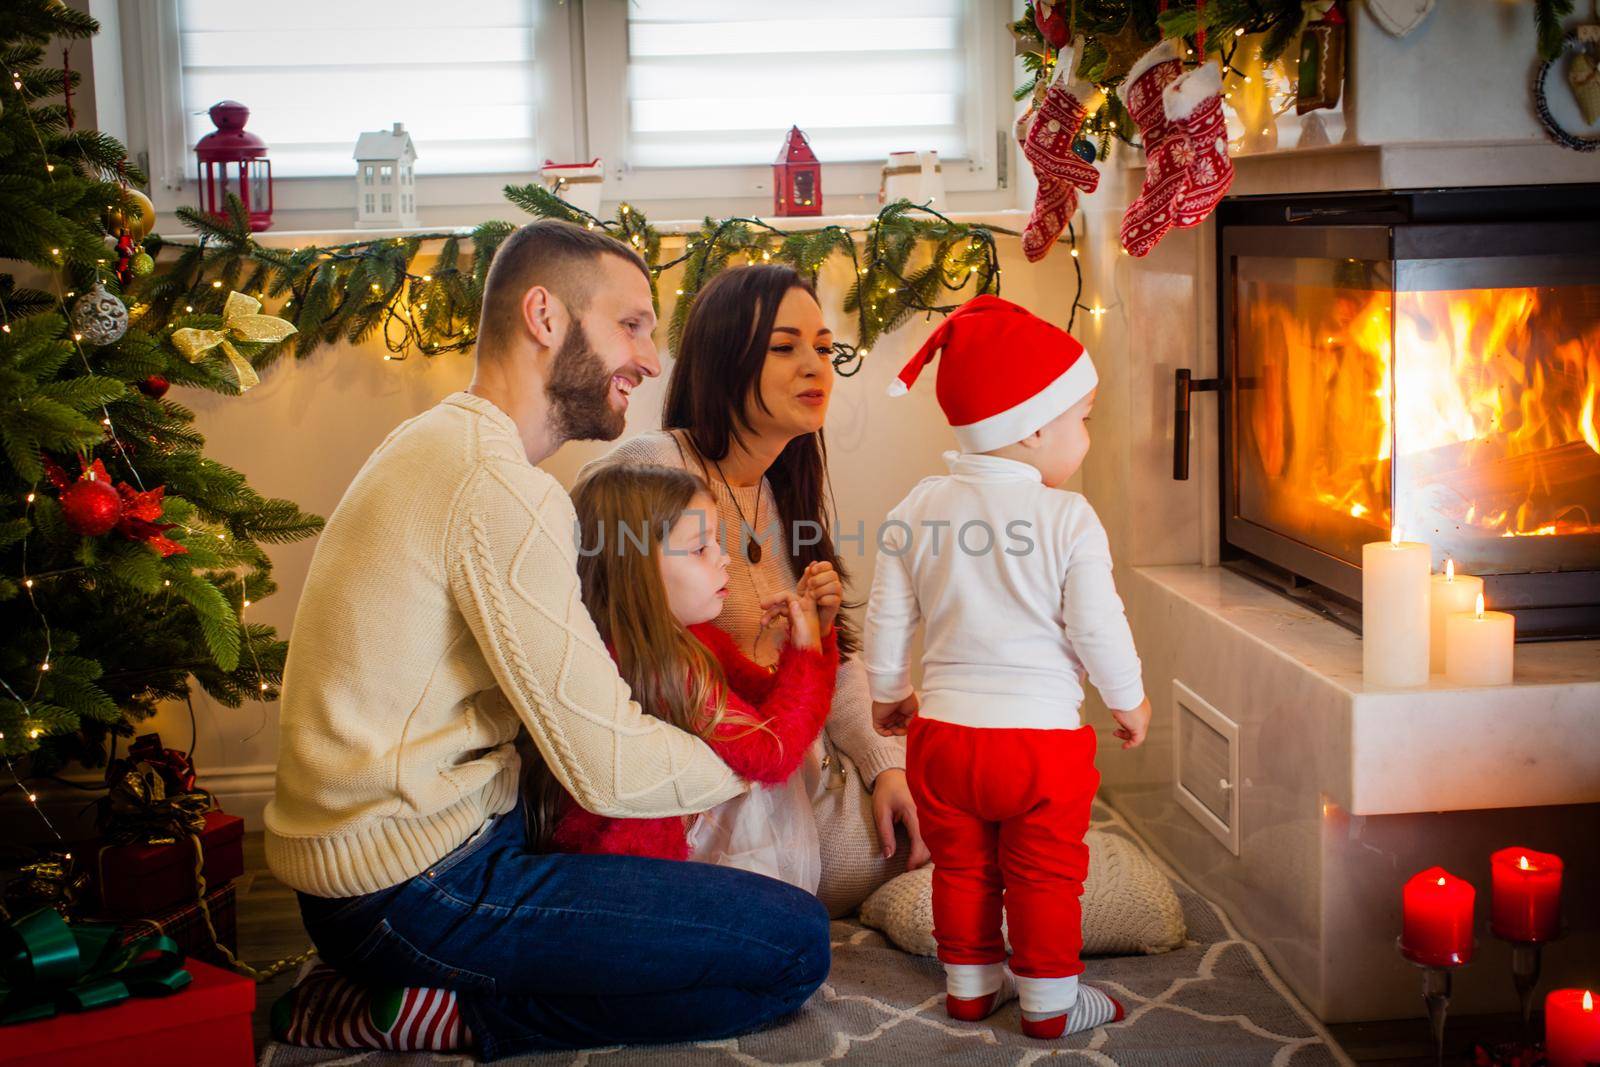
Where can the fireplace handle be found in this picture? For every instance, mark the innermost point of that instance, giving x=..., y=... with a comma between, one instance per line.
x=1185, y=384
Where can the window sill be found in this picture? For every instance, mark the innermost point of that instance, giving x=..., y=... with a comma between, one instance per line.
x=672, y=230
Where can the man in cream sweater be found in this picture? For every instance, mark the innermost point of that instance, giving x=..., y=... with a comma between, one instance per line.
x=442, y=617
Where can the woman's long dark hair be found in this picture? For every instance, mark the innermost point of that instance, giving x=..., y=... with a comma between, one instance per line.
x=717, y=367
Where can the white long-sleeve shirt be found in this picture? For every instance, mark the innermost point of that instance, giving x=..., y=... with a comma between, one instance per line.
x=1013, y=582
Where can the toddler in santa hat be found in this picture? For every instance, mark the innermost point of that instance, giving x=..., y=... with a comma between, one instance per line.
x=1011, y=577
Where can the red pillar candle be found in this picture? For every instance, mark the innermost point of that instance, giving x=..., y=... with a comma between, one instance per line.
x=1438, y=919
x=1527, y=894
x=1571, y=1028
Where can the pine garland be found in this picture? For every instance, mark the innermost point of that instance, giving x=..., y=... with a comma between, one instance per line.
x=913, y=260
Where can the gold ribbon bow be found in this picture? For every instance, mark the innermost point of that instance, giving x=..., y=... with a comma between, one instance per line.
x=241, y=321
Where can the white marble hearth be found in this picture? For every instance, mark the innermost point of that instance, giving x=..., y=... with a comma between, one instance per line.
x=1301, y=799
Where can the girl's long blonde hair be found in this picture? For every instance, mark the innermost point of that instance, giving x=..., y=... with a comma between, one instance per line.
x=625, y=512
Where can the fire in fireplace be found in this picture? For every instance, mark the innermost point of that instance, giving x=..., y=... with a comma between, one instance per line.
x=1426, y=360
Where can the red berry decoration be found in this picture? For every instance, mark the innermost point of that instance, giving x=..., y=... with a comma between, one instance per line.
x=155, y=387
x=1052, y=24
x=92, y=506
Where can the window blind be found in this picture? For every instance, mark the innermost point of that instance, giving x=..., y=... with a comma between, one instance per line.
x=317, y=73
x=719, y=82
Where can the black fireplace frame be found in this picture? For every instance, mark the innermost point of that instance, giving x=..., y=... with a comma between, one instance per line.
x=1396, y=226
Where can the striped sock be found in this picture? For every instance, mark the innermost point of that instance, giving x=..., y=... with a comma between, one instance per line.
x=1094, y=1008
x=327, y=1010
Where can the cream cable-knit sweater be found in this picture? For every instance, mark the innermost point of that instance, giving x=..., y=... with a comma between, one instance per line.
x=442, y=614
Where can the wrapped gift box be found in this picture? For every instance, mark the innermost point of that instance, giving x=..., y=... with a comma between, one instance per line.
x=208, y=1021
x=186, y=924
x=141, y=880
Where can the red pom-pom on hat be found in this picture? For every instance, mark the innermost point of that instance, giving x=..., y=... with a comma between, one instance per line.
x=1004, y=372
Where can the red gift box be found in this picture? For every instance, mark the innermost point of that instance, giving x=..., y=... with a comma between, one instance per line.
x=140, y=880
x=208, y=1021
x=186, y=924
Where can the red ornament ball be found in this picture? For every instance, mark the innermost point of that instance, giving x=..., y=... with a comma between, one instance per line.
x=1052, y=24
x=91, y=507
x=155, y=387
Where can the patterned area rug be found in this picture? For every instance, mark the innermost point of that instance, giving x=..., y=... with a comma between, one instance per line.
x=1213, y=1001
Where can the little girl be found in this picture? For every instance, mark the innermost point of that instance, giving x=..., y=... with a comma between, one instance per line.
x=654, y=575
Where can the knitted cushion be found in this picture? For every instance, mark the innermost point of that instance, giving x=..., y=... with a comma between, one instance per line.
x=1128, y=906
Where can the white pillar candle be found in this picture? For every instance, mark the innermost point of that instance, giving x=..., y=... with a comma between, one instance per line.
x=1479, y=647
x=1453, y=594
x=1394, y=612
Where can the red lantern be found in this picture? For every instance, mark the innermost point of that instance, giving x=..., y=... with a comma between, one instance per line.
x=796, y=178
x=234, y=161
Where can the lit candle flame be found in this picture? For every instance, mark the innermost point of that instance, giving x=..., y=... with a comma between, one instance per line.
x=1480, y=605
x=1522, y=862
x=1394, y=537
x=1449, y=570
x=1588, y=1001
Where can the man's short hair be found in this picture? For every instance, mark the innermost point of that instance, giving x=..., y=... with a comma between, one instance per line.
x=560, y=256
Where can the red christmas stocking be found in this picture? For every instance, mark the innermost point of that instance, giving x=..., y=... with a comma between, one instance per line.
x=1194, y=104
x=1167, y=151
x=1061, y=172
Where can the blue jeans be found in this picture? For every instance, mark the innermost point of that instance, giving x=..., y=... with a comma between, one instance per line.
x=551, y=951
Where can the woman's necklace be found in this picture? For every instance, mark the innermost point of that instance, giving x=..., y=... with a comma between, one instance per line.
x=752, y=547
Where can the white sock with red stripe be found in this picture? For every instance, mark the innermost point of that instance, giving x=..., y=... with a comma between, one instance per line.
x=327, y=1010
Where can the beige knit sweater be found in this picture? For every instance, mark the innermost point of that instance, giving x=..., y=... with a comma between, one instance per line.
x=441, y=615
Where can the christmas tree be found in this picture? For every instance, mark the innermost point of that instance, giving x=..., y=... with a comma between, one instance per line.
x=128, y=560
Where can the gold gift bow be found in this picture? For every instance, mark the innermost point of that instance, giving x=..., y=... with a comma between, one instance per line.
x=241, y=321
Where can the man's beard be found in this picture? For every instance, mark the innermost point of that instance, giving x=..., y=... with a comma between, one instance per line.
x=580, y=392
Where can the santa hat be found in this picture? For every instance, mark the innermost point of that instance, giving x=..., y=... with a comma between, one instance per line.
x=1005, y=372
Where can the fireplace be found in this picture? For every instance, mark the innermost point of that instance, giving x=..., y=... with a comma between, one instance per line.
x=1422, y=360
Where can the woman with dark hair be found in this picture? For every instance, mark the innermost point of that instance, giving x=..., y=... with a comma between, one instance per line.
x=745, y=409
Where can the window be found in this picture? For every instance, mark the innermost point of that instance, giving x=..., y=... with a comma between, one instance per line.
x=316, y=74
x=369, y=203
x=710, y=84
x=714, y=83
x=388, y=203
x=684, y=99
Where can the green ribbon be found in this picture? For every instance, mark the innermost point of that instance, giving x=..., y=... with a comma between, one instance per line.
x=47, y=967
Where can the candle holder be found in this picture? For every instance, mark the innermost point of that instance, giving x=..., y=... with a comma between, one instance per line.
x=1436, y=981
x=1526, y=959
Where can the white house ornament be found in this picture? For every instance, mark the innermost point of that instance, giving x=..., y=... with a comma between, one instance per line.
x=98, y=317
x=386, y=180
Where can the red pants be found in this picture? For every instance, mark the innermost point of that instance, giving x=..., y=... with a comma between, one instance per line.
x=1004, y=813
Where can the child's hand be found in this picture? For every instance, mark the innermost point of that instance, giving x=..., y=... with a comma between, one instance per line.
x=893, y=720
x=774, y=634
x=1132, y=724
x=821, y=583
x=800, y=613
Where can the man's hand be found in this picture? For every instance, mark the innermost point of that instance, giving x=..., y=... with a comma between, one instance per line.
x=892, y=720
x=892, y=803
x=1132, y=724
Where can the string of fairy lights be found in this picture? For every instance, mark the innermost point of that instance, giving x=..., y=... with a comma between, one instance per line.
x=30, y=581
x=428, y=311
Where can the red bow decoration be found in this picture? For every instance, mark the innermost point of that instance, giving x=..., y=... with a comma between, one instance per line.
x=140, y=510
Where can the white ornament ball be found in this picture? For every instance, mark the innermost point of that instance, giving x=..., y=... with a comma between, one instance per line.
x=99, y=316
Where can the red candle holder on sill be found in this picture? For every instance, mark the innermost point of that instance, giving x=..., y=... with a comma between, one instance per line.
x=796, y=177
x=233, y=160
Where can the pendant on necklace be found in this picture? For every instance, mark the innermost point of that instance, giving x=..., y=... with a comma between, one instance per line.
x=752, y=550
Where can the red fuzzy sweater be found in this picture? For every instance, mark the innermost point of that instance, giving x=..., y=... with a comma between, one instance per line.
x=792, y=702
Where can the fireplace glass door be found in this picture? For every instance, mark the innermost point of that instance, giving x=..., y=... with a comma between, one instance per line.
x=1439, y=380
